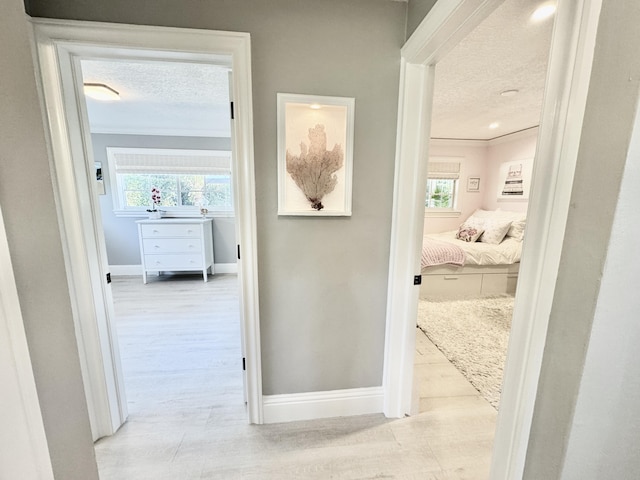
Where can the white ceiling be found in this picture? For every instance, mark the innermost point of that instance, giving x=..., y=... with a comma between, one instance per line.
x=507, y=51
x=160, y=98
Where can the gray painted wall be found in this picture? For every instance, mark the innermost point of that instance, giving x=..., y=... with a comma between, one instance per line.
x=586, y=418
x=26, y=196
x=323, y=281
x=416, y=11
x=121, y=233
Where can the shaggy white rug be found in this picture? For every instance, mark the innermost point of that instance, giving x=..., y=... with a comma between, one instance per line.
x=473, y=334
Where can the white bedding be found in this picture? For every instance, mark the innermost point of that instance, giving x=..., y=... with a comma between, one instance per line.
x=478, y=253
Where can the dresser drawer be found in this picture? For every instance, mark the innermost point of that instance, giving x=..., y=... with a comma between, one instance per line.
x=171, y=245
x=172, y=230
x=173, y=262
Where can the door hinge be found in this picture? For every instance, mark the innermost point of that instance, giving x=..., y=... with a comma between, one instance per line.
x=238, y=252
x=244, y=364
x=232, y=112
x=108, y=277
x=417, y=279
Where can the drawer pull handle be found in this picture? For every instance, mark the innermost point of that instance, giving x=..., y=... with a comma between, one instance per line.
x=156, y=246
x=155, y=231
x=450, y=278
x=189, y=231
x=191, y=246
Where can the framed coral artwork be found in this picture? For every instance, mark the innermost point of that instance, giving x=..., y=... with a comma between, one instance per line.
x=315, y=155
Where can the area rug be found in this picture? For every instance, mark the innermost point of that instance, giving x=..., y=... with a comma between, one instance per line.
x=473, y=335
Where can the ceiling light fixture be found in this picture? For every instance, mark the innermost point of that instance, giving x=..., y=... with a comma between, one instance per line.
x=494, y=125
x=509, y=93
x=315, y=106
x=100, y=91
x=543, y=11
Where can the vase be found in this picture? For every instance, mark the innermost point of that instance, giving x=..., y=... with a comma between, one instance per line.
x=155, y=215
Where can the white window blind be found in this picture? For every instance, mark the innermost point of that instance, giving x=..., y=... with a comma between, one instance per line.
x=444, y=170
x=158, y=161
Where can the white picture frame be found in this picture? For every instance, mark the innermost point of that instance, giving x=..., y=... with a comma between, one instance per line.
x=473, y=184
x=514, y=181
x=308, y=123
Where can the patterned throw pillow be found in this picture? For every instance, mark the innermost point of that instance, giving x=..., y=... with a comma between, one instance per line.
x=495, y=230
x=468, y=233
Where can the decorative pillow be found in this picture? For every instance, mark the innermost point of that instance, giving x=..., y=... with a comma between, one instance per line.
x=468, y=233
x=517, y=229
x=495, y=230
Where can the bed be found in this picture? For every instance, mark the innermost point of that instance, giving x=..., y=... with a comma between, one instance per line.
x=474, y=266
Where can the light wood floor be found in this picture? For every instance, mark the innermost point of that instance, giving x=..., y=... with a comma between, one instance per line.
x=179, y=341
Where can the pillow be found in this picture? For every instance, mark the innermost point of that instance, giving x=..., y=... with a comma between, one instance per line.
x=518, y=219
x=469, y=233
x=517, y=229
x=495, y=230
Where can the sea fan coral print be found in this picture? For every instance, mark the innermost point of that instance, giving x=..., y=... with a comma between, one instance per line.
x=314, y=169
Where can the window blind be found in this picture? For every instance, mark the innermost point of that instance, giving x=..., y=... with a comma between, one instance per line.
x=444, y=170
x=179, y=163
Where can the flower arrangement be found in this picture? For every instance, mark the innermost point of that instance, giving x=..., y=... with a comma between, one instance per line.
x=156, y=198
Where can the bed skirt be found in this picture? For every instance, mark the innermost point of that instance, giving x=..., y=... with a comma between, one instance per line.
x=451, y=282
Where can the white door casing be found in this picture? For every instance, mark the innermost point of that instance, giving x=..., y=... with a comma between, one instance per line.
x=59, y=46
x=559, y=135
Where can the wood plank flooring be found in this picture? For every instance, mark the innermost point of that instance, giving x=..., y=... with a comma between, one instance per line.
x=179, y=341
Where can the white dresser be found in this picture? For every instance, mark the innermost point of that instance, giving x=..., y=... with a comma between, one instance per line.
x=175, y=244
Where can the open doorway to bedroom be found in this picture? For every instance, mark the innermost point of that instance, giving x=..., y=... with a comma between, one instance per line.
x=487, y=104
x=161, y=142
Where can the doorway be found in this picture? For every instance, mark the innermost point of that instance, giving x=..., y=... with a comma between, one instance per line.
x=60, y=48
x=165, y=128
x=567, y=82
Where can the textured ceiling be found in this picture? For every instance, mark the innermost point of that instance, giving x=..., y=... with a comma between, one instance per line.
x=507, y=51
x=160, y=98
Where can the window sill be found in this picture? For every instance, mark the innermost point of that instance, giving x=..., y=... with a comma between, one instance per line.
x=165, y=214
x=442, y=213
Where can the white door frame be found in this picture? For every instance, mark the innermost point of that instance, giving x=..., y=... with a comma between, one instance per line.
x=559, y=136
x=59, y=47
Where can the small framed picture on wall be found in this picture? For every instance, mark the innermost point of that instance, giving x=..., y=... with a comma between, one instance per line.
x=473, y=184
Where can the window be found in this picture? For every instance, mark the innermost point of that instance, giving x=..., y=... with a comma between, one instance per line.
x=442, y=187
x=188, y=180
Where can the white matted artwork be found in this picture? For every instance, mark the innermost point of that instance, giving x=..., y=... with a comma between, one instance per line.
x=315, y=155
x=515, y=180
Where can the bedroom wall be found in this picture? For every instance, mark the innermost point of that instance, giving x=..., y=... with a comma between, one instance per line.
x=518, y=146
x=33, y=235
x=322, y=281
x=121, y=233
x=473, y=164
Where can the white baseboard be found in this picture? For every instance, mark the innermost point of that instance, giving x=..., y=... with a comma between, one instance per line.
x=225, y=267
x=136, y=270
x=312, y=405
x=125, y=270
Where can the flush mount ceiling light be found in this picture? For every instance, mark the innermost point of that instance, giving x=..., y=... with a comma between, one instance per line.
x=315, y=106
x=543, y=11
x=494, y=125
x=100, y=91
x=509, y=93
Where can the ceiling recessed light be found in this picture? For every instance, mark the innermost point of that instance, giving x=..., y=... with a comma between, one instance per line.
x=509, y=93
x=100, y=91
x=494, y=125
x=315, y=106
x=543, y=11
